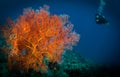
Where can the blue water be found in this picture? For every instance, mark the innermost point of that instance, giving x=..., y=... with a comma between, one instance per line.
x=98, y=43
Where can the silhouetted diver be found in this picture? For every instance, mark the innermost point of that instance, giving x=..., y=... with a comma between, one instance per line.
x=99, y=18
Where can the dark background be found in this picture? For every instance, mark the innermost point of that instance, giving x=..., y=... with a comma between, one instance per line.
x=98, y=43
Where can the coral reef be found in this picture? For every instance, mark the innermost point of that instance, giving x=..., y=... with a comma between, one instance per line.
x=37, y=38
x=73, y=66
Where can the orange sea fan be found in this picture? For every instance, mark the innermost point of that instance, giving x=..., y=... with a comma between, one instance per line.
x=36, y=36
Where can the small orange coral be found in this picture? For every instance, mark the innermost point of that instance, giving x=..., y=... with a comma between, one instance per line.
x=37, y=36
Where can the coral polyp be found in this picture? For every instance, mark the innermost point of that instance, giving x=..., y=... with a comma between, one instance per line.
x=37, y=36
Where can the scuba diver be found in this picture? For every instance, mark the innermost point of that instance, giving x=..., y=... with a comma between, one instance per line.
x=100, y=19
